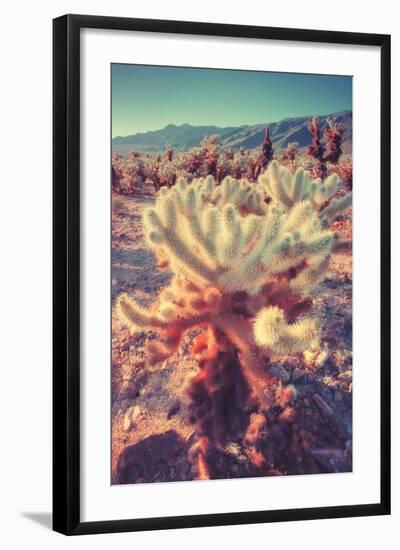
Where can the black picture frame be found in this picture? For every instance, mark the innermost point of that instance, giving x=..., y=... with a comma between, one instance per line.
x=66, y=273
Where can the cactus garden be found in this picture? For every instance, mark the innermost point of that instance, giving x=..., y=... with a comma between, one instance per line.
x=232, y=308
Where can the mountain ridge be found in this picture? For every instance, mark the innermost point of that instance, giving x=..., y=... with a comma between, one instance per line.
x=185, y=136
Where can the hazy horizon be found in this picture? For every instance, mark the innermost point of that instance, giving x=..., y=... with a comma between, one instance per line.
x=147, y=98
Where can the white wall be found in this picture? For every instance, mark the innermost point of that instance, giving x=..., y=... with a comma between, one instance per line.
x=25, y=219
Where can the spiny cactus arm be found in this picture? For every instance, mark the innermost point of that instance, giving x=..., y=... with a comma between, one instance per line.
x=319, y=243
x=136, y=316
x=299, y=187
x=268, y=325
x=323, y=191
x=337, y=207
x=252, y=226
x=300, y=218
x=294, y=248
x=311, y=275
x=180, y=253
x=241, y=194
x=288, y=190
x=276, y=251
x=230, y=240
x=271, y=331
x=139, y=318
x=298, y=337
x=274, y=181
x=250, y=271
x=285, y=188
x=188, y=202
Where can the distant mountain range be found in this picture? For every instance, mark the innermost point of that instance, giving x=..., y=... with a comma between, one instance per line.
x=186, y=136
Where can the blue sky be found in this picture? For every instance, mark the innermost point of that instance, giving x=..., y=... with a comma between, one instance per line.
x=149, y=97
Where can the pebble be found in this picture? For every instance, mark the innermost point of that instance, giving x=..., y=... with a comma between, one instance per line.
x=330, y=283
x=346, y=376
x=297, y=374
x=321, y=358
x=322, y=405
x=329, y=365
x=280, y=372
x=127, y=422
x=174, y=410
x=130, y=416
x=338, y=396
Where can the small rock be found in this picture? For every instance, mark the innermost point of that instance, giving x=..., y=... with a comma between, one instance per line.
x=346, y=376
x=233, y=449
x=348, y=328
x=322, y=405
x=321, y=358
x=329, y=365
x=298, y=374
x=338, y=396
x=176, y=407
x=330, y=283
x=308, y=358
x=127, y=422
x=280, y=372
x=135, y=412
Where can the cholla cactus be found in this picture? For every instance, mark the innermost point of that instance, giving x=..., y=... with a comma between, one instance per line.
x=331, y=151
x=316, y=149
x=290, y=153
x=128, y=173
x=166, y=174
x=344, y=169
x=333, y=134
x=169, y=153
x=299, y=191
x=267, y=153
x=242, y=273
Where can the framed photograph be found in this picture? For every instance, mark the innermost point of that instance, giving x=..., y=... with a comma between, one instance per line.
x=221, y=274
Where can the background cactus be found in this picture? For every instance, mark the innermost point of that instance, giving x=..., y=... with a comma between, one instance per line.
x=242, y=274
x=328, y=152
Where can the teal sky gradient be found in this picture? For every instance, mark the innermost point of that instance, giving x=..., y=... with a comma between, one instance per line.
x=149, y=97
